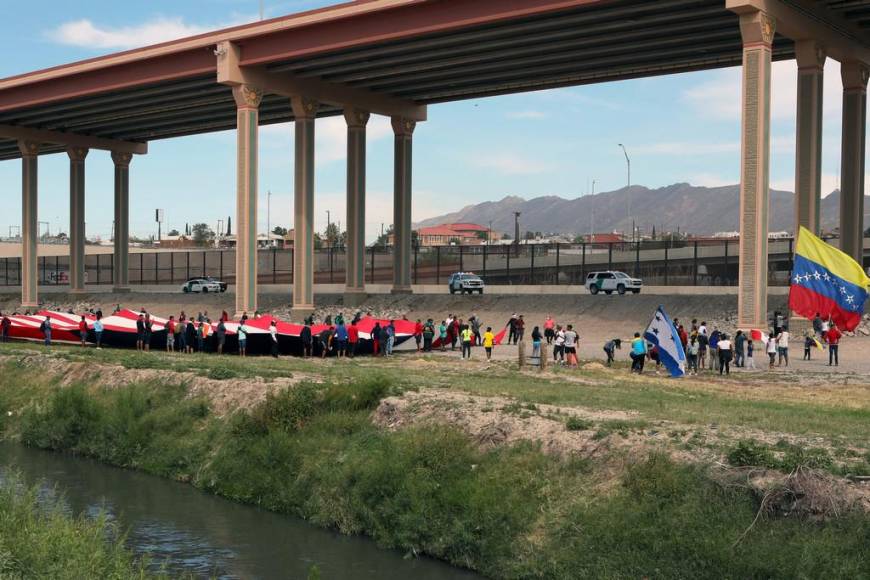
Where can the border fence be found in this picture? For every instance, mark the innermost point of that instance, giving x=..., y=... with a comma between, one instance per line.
x=659, y=263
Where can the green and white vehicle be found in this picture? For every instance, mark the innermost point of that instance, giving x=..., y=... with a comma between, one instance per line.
x=610, y=282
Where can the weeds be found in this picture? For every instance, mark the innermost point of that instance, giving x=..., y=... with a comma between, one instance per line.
x=575, y=423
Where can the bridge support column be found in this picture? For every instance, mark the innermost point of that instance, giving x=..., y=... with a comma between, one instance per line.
x=757, y=29
x=121, y=267
x=808, y=163
x=77, y=157
x=403, y=130
x=305, y=112
x=356, y=205
x=247, y=133
x=29, y=223
x=855, y=76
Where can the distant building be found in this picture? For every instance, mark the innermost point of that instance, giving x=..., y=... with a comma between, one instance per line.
x=611, y=238
x=464, y=234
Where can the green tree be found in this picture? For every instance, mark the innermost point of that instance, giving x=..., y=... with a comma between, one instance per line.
x=202, y=234
x=279, y=231
x=173, y=233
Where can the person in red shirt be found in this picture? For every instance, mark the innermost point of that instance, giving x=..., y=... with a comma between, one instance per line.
x=83, y=330
x=833, y=338
x=418, y=334
x=352, y=339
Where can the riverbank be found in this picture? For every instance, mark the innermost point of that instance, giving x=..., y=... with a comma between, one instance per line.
x=583, y=474
x=40, y=539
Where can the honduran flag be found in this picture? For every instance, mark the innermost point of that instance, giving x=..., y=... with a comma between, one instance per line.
x=827, y=281
x=662, y=333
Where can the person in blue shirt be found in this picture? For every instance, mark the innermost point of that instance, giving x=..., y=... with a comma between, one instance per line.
x=638, y=353
x=340, y=339
x=714, y=349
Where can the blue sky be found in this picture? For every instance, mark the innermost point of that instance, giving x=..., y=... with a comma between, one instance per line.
x=676, y=128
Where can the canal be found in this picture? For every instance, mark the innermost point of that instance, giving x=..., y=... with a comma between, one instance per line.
x=195, y=533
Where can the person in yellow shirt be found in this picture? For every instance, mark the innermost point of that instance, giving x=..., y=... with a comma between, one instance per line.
x=488, y=342
x=466, y=335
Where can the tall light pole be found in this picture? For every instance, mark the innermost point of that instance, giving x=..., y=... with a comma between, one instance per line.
x=628, y=186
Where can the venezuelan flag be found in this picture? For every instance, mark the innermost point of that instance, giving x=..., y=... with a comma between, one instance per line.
x=827, y=281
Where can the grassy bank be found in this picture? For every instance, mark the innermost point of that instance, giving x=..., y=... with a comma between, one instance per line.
x=509, y=512
x=38, y=539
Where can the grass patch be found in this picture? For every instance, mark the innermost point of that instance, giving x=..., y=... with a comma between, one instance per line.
x=39, y=539
x=575, y=423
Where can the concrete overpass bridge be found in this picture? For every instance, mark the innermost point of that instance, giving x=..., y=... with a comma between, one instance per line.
x=396, y=58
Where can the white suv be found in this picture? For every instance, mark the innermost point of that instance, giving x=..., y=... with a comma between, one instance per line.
x=463, y=282
x=201, y=285
x=609, y=281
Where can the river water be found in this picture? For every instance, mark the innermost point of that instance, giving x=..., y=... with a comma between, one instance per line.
x=196, y=533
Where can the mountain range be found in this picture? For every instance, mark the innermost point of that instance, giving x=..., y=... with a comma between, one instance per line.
x=681, y=206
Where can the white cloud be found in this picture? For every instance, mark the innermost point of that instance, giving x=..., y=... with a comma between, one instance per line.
x=86, y=33
x=527, y=115
x=719, y=98
x=510, y=163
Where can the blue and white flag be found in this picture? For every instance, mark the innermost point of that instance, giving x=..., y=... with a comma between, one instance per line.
x=662, y=333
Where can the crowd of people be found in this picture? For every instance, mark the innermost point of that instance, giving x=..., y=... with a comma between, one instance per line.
x=706, y=347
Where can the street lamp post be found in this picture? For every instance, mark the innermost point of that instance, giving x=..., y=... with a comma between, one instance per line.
x=628, y=186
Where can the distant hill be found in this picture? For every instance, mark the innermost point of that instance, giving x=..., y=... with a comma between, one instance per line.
x=698, y=210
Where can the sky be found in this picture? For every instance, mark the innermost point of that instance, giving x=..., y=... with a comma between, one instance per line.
x=677, y=128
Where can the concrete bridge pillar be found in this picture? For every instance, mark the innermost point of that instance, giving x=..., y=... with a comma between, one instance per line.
x=757, y=29
x=121, y=267
x=247, y=133
x=29, y=223
x=808, y=164
x=855, y=76
x=403, y=130
x=77, y=157
x=356, y=204
x=305, y=112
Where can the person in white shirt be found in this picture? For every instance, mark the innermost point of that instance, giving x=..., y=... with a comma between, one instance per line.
x=771, y=350
x=782, y=346
x=571, y=345
x=559, y=345
x=726, y=352
x=273, y=333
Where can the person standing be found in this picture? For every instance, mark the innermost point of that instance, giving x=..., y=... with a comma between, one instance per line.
x=340, y=338
x=475, y=330
x=170, y=334
x=559, y=345
x=454, y=332
x=5, y=326
x=712, y=347
x=45, y=327
x=488, y=342
x=520, y=328
x=221, y=335
x=467, y=335
x=549, y=329
x=180, y=342
x=725, y=354
x=306, y=338
x=750, y=354
x=702, y=346
x=200, y=337
x=536, y=342
x=149, y=327
x=808, y=345
x=83, y=331
x=442, y=334
x=739, y=349
x=140, y=331
x=273, y=338
x=826, y=326
x=190, y=336
x=817, y=325
x=242, y=334
x=782, y=345
x=352, y=338
x=390, y=337
x=376, y=338
x=638, y=353
x=418, y=334
x=571, y=339
x=98, y=330
x=512, y=329
x=771, y=350
x=832, y=336
x=692, y=353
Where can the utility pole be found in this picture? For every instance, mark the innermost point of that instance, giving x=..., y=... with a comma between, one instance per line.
x=628, y=186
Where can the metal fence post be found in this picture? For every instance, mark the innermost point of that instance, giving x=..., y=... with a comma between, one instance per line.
x=485, y=252
x=610, y=255
x=416, y=255
x=666, y=266
x=188, y=266
x=141, y=268
x=558, y=245
x=329, y=260
x=695, y=260
x=372, y=270
x=156, y=267
x=172, y=267
x=56, y=270
x=583, y=262
x=6, y=264
x=509, y=264
x=221, y=271
x=203, y=264
x=461, y=264
x=437, y=264
x=637, y=259
x=791, y=256
x=532, y=265
x=726, y=277
x=274, y=265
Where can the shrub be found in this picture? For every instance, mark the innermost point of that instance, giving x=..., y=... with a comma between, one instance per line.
x=751, y=453
x=575, y=423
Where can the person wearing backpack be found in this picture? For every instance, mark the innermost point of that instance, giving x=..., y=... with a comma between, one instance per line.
x=428, y=335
